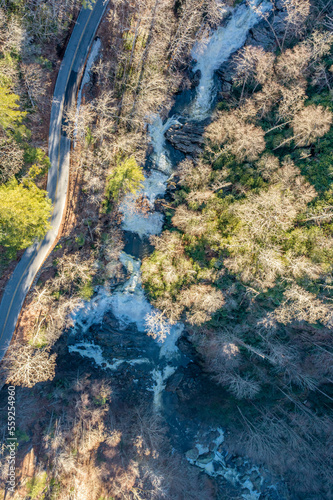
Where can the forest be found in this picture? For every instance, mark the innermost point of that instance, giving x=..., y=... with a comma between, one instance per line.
x=243, y=261
x=246, y=255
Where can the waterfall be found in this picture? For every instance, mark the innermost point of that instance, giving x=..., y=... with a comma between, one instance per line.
x=148, y=222
x=129, y=303
x=211, y=53
x=156, y=132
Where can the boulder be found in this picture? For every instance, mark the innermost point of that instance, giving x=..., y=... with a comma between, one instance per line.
x=226, y=72
x=174, y=382
x=238, y=461
x=279, y=23
x=262, y=37
x=196, y=78
x=217, y=467
x=186, y=347
x=255, y=480
x=192, y=454
x=206, y=458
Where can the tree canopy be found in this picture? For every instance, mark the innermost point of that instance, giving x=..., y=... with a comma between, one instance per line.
x=24, y=215
x=126, y=178
x=10, y=113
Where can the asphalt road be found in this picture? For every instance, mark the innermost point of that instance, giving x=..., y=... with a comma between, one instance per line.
x=65, y=91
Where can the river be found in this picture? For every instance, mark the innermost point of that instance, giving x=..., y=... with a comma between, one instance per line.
x=111, y=328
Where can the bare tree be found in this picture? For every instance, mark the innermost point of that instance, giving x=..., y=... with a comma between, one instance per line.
x=253, y=63
x=244, y=140
x=157, y=325
x=265, y=218
x=297, y=13
x=78, y=121
x=201, y=301
x=26, y=366
x=320, y=43
x=310, y=124
x=194, y=19
x=300, y=305
x=265, y=99
x=48, y=21
x=292, y=101
x=293, y=63
x=242, y=386
x=193, y=175
x=13, y=36
x=35, y=83
x=192, y=222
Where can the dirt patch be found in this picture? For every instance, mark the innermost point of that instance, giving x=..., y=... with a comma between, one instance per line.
x=28, y=464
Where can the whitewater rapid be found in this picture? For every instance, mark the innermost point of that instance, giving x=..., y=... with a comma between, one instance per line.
x=129, y=303
x=154, y=185
x=209, y=54
x=213, y=51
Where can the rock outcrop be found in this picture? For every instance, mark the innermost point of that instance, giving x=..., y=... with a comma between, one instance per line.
x=186, y=138
x=260, y=36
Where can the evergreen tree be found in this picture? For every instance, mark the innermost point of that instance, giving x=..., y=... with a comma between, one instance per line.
x=126, y=178
x=10, y=113
x=24, y=215
x=88, y=4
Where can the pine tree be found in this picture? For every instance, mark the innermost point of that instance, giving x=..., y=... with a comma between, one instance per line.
x=126, y=178
x=24, y=215
x=88, y=4
x=10, y=113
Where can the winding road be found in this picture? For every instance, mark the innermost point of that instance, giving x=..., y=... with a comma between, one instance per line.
x=65, y=92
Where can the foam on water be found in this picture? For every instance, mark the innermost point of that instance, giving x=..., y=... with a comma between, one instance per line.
x=92, y=312
x=168, y=347
x=154, y=185
x=128, y=303
x=92, y=351
x=220, y=438
x=138, y=361
x=217, y=49
x=156, y=131
x=216, y=465
x=145, y=223
x=159, y=378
